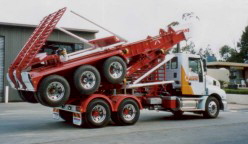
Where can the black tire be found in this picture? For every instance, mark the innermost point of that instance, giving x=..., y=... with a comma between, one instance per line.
x=212, y=108
x=112, y=65
x=120, y=118
x=28, y=96
x=177, y=114
x=54, y=91
x=40, y=100
x=87, y=74
x=100, y=107
x=66, y=116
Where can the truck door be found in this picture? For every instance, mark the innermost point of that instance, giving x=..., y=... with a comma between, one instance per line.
x=173, y=71
x=195, y=76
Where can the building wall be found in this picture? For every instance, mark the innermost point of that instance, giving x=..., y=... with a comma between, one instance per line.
x=219, y=74
x=241, y=73
x=16, y=37
x=1, y=65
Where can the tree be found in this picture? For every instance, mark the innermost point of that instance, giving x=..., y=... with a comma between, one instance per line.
x=189, y=48
x=244, y=45
x=225, y=52
x=230, y=54
x=235, y=57
x=208, y=54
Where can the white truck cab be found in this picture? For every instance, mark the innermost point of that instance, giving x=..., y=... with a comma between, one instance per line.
x=192, y=84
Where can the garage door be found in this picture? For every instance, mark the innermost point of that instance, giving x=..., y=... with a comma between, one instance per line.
x=1, y=66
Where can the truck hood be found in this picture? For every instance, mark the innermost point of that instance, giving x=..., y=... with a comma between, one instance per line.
x=212, y=81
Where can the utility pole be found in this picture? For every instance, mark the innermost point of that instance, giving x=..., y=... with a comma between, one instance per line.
x=178, y=48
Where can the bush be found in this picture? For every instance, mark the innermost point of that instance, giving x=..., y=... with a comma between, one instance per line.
x=237, y=91
x=223, y=84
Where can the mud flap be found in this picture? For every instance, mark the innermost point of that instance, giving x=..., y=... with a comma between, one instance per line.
x=77, y=118
x=56, y=114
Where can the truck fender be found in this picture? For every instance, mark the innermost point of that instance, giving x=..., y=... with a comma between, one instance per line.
x=86, y=101
x=219, y=100
x=119, y=98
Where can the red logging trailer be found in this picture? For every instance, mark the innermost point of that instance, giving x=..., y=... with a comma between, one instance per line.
x=111, y=79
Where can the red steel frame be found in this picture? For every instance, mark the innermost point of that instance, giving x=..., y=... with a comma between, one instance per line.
x=140, y=54
x=33, y=45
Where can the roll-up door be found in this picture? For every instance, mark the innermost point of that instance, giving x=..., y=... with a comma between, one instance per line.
x=1, y=67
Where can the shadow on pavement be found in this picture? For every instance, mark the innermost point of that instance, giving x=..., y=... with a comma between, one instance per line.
x=53, y=125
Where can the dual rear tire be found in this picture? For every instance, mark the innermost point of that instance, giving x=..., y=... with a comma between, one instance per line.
x=98, y=114
x=114, y=70
x=127, y=114
x=54, y=90
x=87, y=79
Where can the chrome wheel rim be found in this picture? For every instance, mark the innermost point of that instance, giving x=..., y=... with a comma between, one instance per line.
x=212, y=107
x=88, y=79
x=129, y=112
x=98, y=114
x=115, y=70
x=55, y=91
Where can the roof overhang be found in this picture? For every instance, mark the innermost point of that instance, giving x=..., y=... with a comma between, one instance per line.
x=227, y=64
x=34, y=26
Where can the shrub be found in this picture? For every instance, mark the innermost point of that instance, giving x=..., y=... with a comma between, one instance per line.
x=237, y=91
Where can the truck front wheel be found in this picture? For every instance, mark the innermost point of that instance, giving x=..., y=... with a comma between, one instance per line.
x=54, y=91
x=212, y=108
x=87, y=79
x=97, y=114
x=128, y=113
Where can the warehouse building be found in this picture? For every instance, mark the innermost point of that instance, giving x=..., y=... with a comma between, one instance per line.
x=13, y=37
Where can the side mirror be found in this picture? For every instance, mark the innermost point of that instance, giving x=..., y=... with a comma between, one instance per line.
x=204, y=65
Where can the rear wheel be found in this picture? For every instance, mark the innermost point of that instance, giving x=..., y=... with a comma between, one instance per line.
x=54, y=91
x=212, y=108
x=97, y=114
x=28, y=96
x=128, y=113
x=114, y=69
x=87, y=79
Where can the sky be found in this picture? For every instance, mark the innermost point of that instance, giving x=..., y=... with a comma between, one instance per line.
x=221, y=22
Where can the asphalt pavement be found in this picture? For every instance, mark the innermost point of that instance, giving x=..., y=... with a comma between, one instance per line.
x=23, y=123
